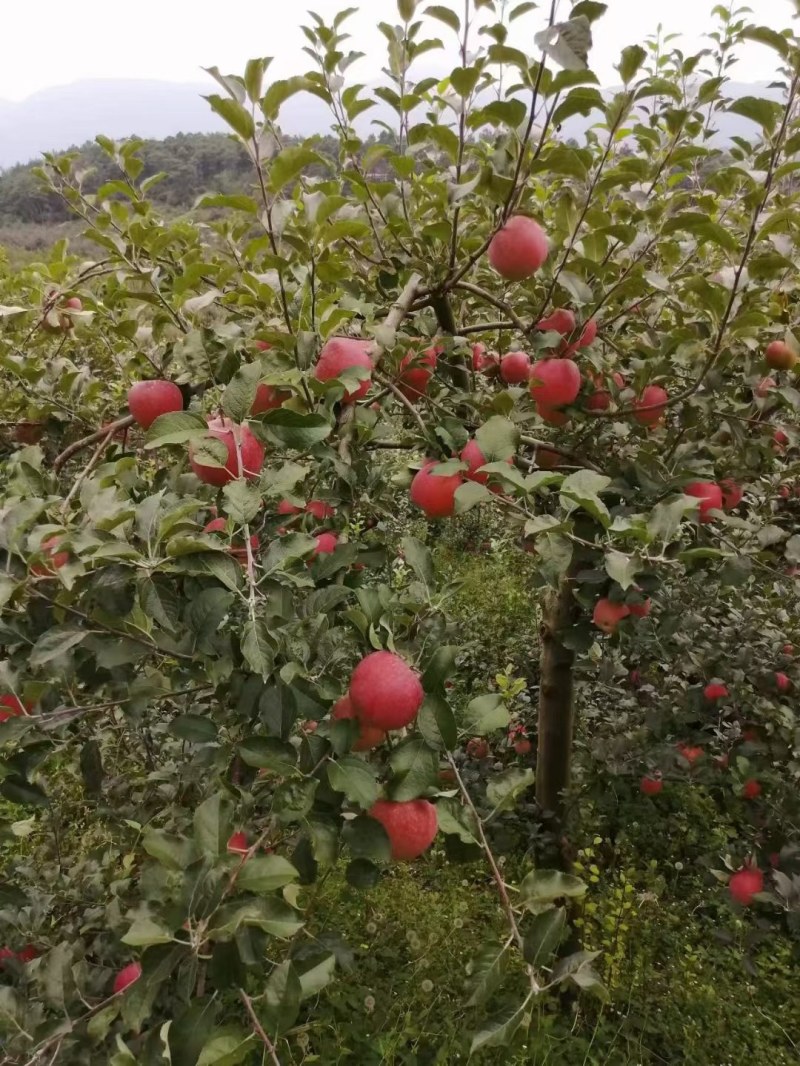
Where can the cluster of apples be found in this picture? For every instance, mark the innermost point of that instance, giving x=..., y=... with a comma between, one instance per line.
x=435, y=494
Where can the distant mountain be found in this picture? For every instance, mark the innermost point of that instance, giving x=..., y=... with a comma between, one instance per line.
x=59, y=118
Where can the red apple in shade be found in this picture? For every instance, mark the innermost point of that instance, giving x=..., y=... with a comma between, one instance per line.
x=309, y=726
x=340, y=353
x=732, y=494
x=554, y=382
x=779, y=356
x=319, y=509
x=28, y=953
x=710, y=496
x=751, y=789
x=635, y=678
x=722, y=761
x=715, y=691
x=600, y=400
x=28, y=432
x=74, y=303
x=608, y=615
x=229, y=433
x=689, y=753
x=473, y=455
x=774, y=859
x=561, y=320
x=650, y=406
x=286, y=507
x=325, y=543
x=126, y=976
x=434, y=494
x=12, y=706
x=237, y=843
x=416, y=372
x=55, y=558
x=268, y=398
x=216, y=525
x=410, y=826
x=148, y=400
x=783, y=492
x=788, y=649
x=551, y=415
x=640, y=610
x=587, y=337
x=6, y=953
x=515, y=368
x=764, y=387
x=369, y=736
x=783, y=682
x=484, y=362
x=546, y=459
x=780, y=439
x=263, y=346
x=745, y=884
x=518, y=249
x=651, y=786
x=522, y=746
x=385, y=691
x=478, y=748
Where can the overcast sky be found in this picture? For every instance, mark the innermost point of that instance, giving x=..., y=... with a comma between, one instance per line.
x=43, y=43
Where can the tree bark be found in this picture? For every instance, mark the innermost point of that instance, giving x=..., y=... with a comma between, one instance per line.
x=556, y=704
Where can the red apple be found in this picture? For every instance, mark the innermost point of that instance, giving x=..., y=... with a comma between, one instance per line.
x=11, y=706
x=286, y=507
x=714, y=691
x=640, y=610
x=229, y=433
x=268, y=398
x=473, y=455
x=55, y=560
x=319, y=509
x=607, y=615
x=587, y=337
x=416, y=372
x=126, y=976
x=650, y=406
x=783, y=682
x=518, y=249
x=515, y=368
x=690, y=754
x=764, y=387
x=788, y=649
x=385, y=691
x=263, y=346
x=779, y=356
x=369, y=736
x=325, y=544
x=651, y=786
x=237, y=843
x=148, y=400
x=522, y=746
x=732, y=494
x=478, y=748
x=710, y=496
x=554, y=382
x=745, y=884
x=410, y=826
x=551, y=415
x=546, y=459
x=435, y=494
x=561, y=320
x=600, y=400
x=751, y=789
x=780, y=439
x=340, y=353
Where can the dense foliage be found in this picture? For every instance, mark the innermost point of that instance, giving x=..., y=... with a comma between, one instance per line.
x=237, y=670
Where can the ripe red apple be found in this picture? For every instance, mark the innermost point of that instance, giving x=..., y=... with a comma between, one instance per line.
x=651, y=786
x=473, y=455
x=518, y=249
x=369, y=736
x=608, y=615
x=751, y=789
x=764, y=387
x=547, y=459
x=554, y=382
x=587, y=337
x=783, y=492
x=385, y=691
x=286, y=507
x=148, y=400
x=782, y=682
x=478, y=748
x=268, y=398
x=788, y=649
x=416, y=372
x=780, y=439
x=337, y=355
x=641, y=610
x=710, y=496
x=714, y=691
x=551, y=415
x=263, y=346
x=319, y=509
x=28, y=953
x=650, y=406
x=690, y=754
x=635, y=678
x=12, y=706
x=515, y=368
x=484, y=362
x=237, y=843
x=55, y=560
x=435, y=494
x=745, y=884
x=732, y=494
x=561, y=320
x=522, y=746
x=779, y=356
x=229, y=432
x=28, y=432
x=600, y=400
x=325, y=544
x=126, y=976
x=410, y=826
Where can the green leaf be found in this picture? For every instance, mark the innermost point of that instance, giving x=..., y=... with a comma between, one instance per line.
x=265, y=873
x=175, y=428
x=145, y=932
x=91, y=764
x=464, y=80
x=227, y=1047
x=237, y=117
x=242, y=501
x=469, y=494
x=500, y=1030
x=544, y=936
x=355, y=778
x=254, y=76
x=257, y=648
x=269, y=913
x=484, y=714
x=666, y=517
x=497, y=438
x=487, y=971
x=240, y=392
x=622, y=568
x=581, y=489
x=269, y=753
x=456, y=820
x=766, y=113
x=631, y=61
x=445, y=15
x=280, y=1003
x=503, y=789
x=436, y=722
x=771, y=38
x=791, y=549
x=295, y=429
x=582, y=100
x=415, y=770
x=419, y=559
x=289, y=164
x=567, y=43
x=174, y=852
x=194, y=728
x=367, y=839
x=701, y=226
x=55, y=643
x=542, y=887
x=280, y=91
x=213, y=824
x=316, y=977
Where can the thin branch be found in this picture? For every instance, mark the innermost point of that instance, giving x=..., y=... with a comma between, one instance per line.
x=484, y=327
x=87, y=442
x=259, y=1028
x=404, y=400
x=494, y=301
x=87, y=470
x=564, y=452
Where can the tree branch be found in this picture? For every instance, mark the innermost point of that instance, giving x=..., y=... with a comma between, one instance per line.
x=259, y=1028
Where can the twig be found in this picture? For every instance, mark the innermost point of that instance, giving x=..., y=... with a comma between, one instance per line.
x=404, y=400
x=572, y=456
x=488, y=298
x=259, y=1028
x=86, y=442
x=90, y=466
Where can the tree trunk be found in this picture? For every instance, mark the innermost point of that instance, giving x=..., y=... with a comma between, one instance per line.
x=556, y=709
